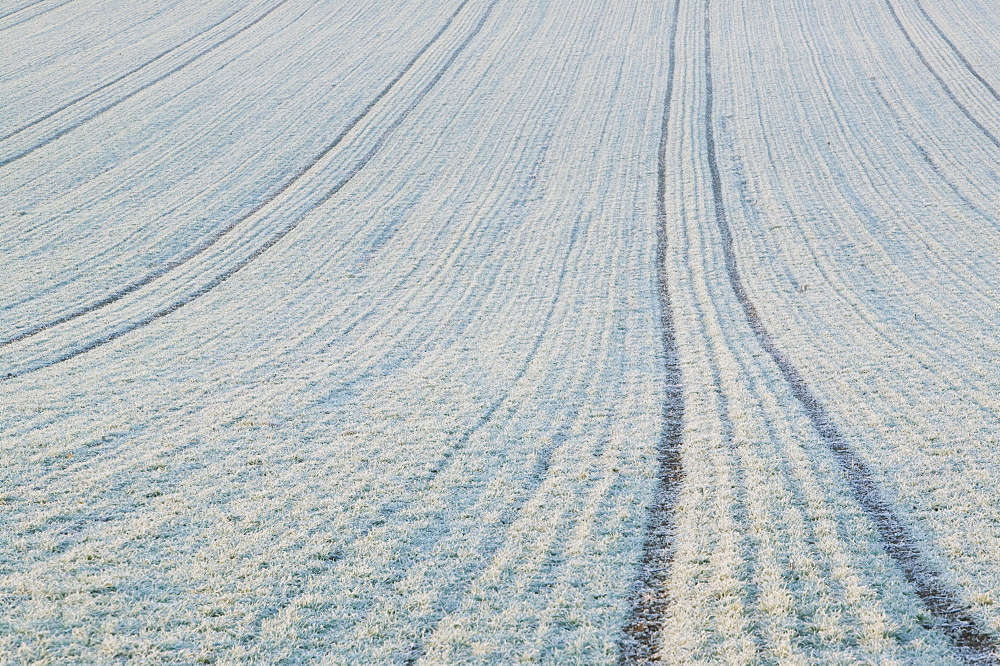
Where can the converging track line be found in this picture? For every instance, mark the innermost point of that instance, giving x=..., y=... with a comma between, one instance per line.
x=958, y=54
x=91, y=93
x=944, y=86
x=973, y=643
x=21, y=9
x=90, y=116
x=280, y=235
x=33, y=16
x=648, y=599
x=218, y=235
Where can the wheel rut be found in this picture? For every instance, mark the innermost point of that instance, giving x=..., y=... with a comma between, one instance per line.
x=101, y=110
x=944, y=85
x=205, y=245
x=973, y=644
x=104, y=86
x=958, y=54
x=648, y=599
x=28, y=18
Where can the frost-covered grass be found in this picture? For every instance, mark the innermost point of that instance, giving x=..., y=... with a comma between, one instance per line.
x=408, y=406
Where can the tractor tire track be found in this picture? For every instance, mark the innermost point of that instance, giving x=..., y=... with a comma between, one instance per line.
x=219, y=234
x=447, y=457
x=944, y=85
x=973, y=643
x=120, y=78
x=501, y=404
x=101, y=110
x=95, y=261
x=648, y=598
x=958, y=54
x=934, y=166
x=362, y=162
x=497, y=412
x=21, y=9
x=33, y=16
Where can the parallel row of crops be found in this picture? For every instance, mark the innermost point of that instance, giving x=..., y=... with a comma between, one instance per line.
x=499, y=330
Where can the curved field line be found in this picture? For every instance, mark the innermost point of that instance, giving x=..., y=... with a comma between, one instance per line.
x=447, y=458
x=973, y=643
x=90, y=116
x=487, y=555
x=648, y=599
x=281, y=234
x=944, y=86
x=33, y=16
x=16, y=11
x=110, y=83
x=954, y=49
x=218, y=235
x=925, y=156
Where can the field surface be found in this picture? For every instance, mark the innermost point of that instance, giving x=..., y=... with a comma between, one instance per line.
x=462, y=331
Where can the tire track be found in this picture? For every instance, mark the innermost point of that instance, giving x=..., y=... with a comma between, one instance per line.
x=393, y=288
x=973, y=643
x=219, y=234
x=362, y=162
x=33, y=16
x=958, y=54
x=21, y=9
x=944, y=86
x=867, y=167
x=100, y=111
x=447, y=457
x=112, y=82
x=934, y=166
x=93, y=262
x=648, y=599
x=498, y=409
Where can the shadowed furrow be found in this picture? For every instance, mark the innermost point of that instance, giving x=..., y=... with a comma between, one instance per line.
x=205, y=245
x=16, y=21
x=94, y=113
x=975, y=644
x=649, y=597
x=944, y=85
x=501, y=331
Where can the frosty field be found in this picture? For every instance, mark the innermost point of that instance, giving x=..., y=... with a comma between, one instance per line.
x=500, y=331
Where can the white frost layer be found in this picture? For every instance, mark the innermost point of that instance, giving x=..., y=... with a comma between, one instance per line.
x=424, y=423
